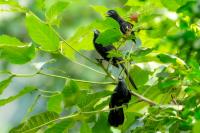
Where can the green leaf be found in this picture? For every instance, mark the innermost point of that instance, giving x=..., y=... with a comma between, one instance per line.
x=11, y=6
x=100, y=9
x=54, y=11
x=70, y=93
x=4, y=84
x=197, y=114
x=102, y=124
x=87, y=101
x=41, y=33
x=6, y=40
x=81, y=40
x=139, y=75
x=61, y=127
x=196, y=127
x=187, y=7
x=114, y=53
x=110, y=23
x=166, y=58
x=165, y=85
x=85, y=128
x=109, y=36
x=18, y=55
x=55, y=103
x=130, y=119
x=15, y=51
x=35, y=122
x=170, y=4
x=142, y=51
x=12, y=98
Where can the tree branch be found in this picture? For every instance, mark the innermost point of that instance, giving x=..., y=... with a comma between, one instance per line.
x=142, y=98
x=62, y=77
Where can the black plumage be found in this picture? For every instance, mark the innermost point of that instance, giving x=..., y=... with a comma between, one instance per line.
x=120, y=96
x=125, y=27
x=116, y=117
x=104, y=51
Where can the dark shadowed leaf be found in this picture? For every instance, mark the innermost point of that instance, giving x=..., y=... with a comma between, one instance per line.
x=166, y=58
x=85, y=128
x=168, y=84
x=102, y=124
x=70, y=93
x=61, y=127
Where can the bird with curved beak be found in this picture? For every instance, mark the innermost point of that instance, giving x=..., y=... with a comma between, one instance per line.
x=125, y=27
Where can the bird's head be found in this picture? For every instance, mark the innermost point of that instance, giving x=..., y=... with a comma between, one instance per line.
x=112, y=13
x=120, y=79
x=96, y=33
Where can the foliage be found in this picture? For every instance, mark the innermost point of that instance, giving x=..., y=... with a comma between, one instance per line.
x=164, y=63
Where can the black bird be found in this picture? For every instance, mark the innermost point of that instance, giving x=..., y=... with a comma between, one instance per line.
x=120, y=96
x=116, y=117
x=103, y=51
x=125, y=26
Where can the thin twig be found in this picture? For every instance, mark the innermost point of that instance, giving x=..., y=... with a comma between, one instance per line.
x=78, y=80
x=106, y=71
x=144, y=98
x=87, y=58
x=31, y=107
x=62, y=77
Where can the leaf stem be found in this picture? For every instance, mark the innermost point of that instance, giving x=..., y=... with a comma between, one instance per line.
x=78, y=80
x=85, y=81
x=106, y=71
x=31, y=107
x=87, y=58
x=62, y=77
x=49, y=92
x=144, y=98
x=77, y=114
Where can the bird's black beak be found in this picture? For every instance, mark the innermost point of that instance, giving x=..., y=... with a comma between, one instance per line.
x=108, y=14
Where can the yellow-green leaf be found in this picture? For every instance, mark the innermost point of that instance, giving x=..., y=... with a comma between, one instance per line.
x=12, y=98
x=4, y=84
x=41, y=33
x=15, y=51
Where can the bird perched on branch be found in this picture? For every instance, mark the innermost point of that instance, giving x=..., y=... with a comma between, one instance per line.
x=125, y=27
x=120, y=96
x=104, y=51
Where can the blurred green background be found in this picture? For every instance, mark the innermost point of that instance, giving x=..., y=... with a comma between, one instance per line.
x=175, y=31
x=79, y=13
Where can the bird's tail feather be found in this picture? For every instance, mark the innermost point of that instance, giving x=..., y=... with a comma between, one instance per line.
x=129, y=77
